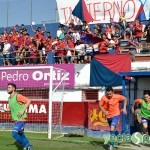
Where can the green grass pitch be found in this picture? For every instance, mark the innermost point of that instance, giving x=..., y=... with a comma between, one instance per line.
x=40, y=142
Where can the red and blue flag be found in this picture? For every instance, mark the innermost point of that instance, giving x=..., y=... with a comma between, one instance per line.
x=140, y=14
x=81, y=12
x=104, y=69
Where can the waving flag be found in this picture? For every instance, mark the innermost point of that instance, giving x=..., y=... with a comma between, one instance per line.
x=105, y=68
x=90, y=39
x=140, y=15
x=81, y=12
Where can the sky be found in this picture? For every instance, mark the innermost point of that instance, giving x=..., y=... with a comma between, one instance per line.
x=19, y=12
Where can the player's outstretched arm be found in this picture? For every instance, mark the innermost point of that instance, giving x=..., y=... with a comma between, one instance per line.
x=139, y=101
x=132, y=109
x=125, y=106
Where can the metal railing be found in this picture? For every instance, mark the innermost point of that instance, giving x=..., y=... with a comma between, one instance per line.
x=145, y=49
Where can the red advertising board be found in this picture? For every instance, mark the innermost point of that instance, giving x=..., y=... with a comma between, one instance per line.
x=37, y=112
x=74, y=114
x=97, y=120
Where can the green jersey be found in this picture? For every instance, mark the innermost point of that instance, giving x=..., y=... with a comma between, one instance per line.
x=144, y=112
x=16, y=107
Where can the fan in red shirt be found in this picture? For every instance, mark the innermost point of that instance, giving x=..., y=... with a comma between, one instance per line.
x=116, y=46
x=70, y=50
x=15, y=36
x=39, y=29
x=49, y=40
x=10, y=38
x=38, y=39
x=28, y=40
x=2, y=38
x=138, y=30
x=21, y=39
x=103, y=46
x=33, y=54
x=60, y=52
x=108, y=31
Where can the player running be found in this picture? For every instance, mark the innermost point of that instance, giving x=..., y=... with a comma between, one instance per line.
x=109, y=105
x=17, y=106
x=145, y=111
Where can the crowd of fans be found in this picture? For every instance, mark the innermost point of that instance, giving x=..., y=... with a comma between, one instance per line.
x=18, y=47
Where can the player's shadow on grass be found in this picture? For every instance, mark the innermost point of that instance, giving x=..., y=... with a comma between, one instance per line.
x=18, y=146
x=99, y=144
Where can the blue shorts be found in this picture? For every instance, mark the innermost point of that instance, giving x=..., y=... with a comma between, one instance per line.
x=19, y=126
x=113, y=121
x=144, y=120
